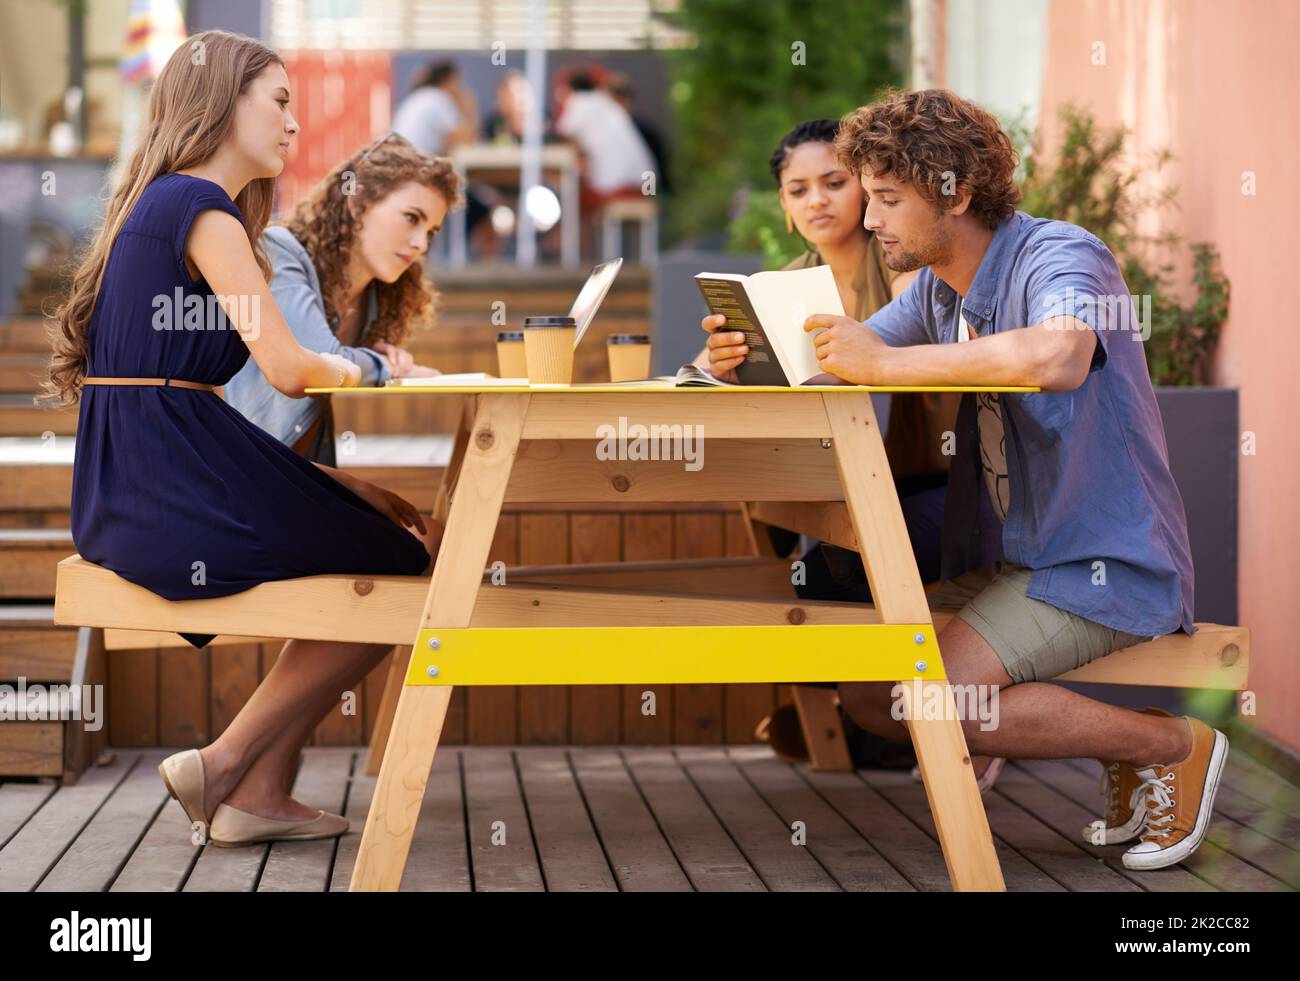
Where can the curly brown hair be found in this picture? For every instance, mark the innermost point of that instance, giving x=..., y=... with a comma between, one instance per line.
x=327, y=228
x=929, y=137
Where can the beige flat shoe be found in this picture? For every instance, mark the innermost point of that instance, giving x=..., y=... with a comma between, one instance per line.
x=233, y=827
x=182, y=775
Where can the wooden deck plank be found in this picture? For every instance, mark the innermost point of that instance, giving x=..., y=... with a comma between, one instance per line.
x=36, y=847
x=496, y=809
x=18, y=802
x=629, y=818
x=438, y=860
x=705, y=850
x=227, y=869
x=898, y=787
x=1055, y=853
x=439, y=856
x=93, y=861
x=640, y=857
x=760, y=834
x=163, y=860
x=906, y=847
x=1259, y=783
x=572, y=857
x=305, y=866
x=1281, y=828
x=1068, y=817
x=1221, y=869
x=850, y=860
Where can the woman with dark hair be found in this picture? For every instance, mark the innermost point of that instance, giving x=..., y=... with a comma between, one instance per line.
x=823, y=204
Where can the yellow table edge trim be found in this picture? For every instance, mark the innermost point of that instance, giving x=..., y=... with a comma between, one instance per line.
x=675, y=655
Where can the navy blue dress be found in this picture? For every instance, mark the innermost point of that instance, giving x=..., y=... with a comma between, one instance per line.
x=174, y=489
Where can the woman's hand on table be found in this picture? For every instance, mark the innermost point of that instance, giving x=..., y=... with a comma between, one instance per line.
x=401, y=363
x=726, y=349
x=351, y=371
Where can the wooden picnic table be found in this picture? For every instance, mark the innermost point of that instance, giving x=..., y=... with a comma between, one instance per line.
x=808, y=445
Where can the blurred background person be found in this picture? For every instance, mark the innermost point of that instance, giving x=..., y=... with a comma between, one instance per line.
x=514, y=99
x=616, y=159
x=620, y=87
x=440, y=111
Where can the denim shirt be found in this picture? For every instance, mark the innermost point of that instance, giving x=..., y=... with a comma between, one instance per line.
x=1094, y=510
x=297, y=293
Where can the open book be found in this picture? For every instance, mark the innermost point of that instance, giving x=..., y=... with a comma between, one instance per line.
x=771, y=307
x=688, y=376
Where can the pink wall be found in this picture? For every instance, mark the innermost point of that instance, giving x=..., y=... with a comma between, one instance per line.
x=1217, y=83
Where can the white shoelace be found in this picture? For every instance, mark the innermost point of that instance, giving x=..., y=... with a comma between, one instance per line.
x=1159, y=797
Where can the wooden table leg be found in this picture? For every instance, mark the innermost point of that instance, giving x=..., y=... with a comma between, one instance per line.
x=823, y=733
x=442, y=500
x=397, y=664
x=453, y=589
x=940, y=744
x=817, y=708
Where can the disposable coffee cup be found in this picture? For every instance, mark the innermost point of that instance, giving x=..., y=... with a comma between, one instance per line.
x=548, y=349
x=511, y=362
x=629, y=357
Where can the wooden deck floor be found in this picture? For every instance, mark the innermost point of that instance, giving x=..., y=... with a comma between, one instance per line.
x=620, y=818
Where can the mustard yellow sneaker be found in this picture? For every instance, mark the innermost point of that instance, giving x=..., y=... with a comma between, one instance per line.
x=1179, y=800
x=1124, y=813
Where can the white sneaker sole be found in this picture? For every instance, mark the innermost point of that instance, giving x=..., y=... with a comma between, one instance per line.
x=1101, y=833
x=1156, y=857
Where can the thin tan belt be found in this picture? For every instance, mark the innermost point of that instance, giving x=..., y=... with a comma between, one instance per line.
x=169, y=382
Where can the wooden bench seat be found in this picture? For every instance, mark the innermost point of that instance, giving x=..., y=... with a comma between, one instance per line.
x=387, y=609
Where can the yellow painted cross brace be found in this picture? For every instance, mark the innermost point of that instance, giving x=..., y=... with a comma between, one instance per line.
x=674, y=655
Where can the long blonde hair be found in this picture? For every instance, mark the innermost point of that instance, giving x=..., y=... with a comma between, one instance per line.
x=191, y=111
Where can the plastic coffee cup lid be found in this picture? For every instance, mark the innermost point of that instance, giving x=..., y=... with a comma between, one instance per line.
x=533, y=323
x=628, y=339
x=505, y=336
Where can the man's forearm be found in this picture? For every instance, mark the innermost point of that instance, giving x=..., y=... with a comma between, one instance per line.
x=1026, y=357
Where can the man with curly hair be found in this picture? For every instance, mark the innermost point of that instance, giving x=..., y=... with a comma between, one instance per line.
x=1064, y=533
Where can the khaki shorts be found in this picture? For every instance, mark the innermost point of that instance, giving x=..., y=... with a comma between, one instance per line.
x=1033, y=640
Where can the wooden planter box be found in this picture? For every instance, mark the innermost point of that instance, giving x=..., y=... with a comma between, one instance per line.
x=46, y=655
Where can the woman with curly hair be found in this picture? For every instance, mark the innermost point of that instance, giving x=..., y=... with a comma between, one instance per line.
x=173, y=489
x=348, y=275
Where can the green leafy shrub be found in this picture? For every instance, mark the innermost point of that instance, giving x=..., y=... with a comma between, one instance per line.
x=1092, y=182
x=757, y=69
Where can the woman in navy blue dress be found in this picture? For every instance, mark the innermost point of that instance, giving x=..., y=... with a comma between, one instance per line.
x=174, y=489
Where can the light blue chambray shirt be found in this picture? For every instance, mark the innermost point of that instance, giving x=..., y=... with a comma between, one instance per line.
x=297, y=293
x=1094, y=510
